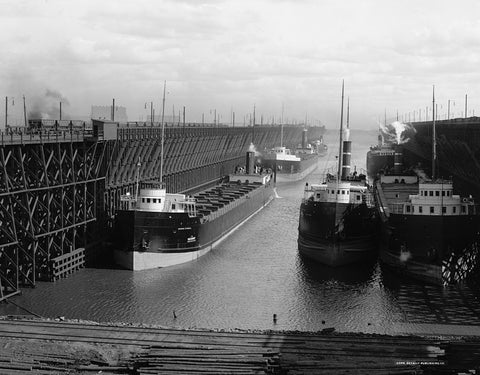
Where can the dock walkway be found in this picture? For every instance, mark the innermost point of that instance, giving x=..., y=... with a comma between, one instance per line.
x=59, y=347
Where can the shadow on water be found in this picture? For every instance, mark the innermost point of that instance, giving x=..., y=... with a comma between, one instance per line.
x=422, y=302
x=350, y=274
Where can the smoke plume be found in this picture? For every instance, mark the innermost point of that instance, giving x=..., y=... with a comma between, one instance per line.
x=47, y=106
x=421, y=174
x=252, y=148
x=397, y=132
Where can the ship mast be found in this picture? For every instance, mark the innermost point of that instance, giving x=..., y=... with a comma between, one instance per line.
x=137, y=180
x=281, y=129
x=339, y=174
x=348, y=113
x=434, y=139
x=163, y=133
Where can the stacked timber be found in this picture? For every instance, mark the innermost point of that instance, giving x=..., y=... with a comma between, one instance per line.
x=46, y=347
x=205, y=359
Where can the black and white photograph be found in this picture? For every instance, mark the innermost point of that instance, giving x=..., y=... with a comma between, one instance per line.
x=239, y=187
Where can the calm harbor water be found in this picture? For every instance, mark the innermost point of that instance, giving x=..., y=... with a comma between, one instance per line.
x=253, y=274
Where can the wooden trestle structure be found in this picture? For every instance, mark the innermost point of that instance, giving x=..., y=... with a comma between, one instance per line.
x=60, y=189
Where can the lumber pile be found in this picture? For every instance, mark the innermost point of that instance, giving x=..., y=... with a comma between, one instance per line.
x=202, y=359
x=47, y=348
x=44, y=358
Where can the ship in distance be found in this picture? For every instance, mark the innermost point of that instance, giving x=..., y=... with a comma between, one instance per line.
x=428, y=232
x=161, y=229
x=379, y=157
x=294, y=166
x=337, y=222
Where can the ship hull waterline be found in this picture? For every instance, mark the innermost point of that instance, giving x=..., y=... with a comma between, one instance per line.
x=293, y=177
x=321, y=239
x=338, y=253
x=210, y=235
x=429, y=250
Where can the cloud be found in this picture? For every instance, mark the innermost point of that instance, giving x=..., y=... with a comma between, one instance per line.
x=226, y=53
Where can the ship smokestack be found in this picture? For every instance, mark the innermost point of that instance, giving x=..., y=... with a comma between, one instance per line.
x=250, y=162
x=304, y=138
x=398, y=160
x=346, y=157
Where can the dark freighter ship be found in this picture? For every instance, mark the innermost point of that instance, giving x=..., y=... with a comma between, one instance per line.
x=427, y=231
x=337, y=221
x=161, y=229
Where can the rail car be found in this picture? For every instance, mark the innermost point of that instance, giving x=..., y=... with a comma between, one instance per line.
x=49, y=125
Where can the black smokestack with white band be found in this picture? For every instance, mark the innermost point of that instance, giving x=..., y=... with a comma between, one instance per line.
x=250, y=162
x=304, y=138
x=346, y=159
x=398, y=160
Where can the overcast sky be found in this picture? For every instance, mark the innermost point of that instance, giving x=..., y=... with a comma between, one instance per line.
x=232, y=55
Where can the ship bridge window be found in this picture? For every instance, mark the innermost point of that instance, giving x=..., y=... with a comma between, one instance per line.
x=421, y=193
x=338, y=191
x=444, y=210
x=343, y=192
x=454, y=209
x=408, y=208
x=432, y=210
x=318, y=195
x=437, y=193
x=154, y=200
x=464, y=209
x=443, y=193
x=148, y=200
x=448, y=193
x=420, y=209
x=173, y=206
x=143, y=200
x=358, y=197
x=348, y=192
x=431, y=193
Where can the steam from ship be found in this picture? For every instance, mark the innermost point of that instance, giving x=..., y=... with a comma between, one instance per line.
x=421, y=174
x=397, y=132
x=252, y=148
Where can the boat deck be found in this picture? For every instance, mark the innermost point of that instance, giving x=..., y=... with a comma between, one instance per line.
x=212, y=200
x=399, y=193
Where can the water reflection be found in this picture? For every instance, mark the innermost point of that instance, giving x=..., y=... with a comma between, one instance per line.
x=353, y=274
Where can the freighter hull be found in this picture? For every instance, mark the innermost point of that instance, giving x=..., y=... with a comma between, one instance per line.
x=435, y=249
x=290, y=171
x=152, y=239
x=378, y=161
x=338, y=253
x=336, y=234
